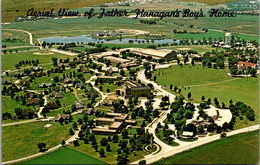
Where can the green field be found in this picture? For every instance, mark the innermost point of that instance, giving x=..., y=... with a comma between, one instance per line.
x=23, y=38
x=110, y=156
x=9, y=60
x=212, y=83
x=65, y=156
x=48, y=28
x=238, y=149
x=21, y=140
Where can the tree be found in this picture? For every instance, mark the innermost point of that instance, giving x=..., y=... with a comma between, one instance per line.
x=203, y=98
x=223, y=134
x=124, y=133
x=108, y=148
x=76, y=143
x=103, y=141
x=63, y=143
x=122, y=158
x=42, y=147
x=142, y=162
x=71, y=132
x=101, y=152
x=75, y=125
x=115, y=138
x=189, y=95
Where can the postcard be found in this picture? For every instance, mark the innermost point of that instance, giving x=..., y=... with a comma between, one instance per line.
x=130, y=82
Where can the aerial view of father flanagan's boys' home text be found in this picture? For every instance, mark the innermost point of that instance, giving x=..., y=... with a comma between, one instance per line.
x=130, y=82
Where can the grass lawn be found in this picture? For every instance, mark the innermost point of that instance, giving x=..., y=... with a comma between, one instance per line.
x=21, y=140
x=111, y=87
x=240, y=89
x=238, y=149
x=65, y=156
x=9, y=104
x=9, y=60
x=160, y=136
x=110, y=156
x=22, y=39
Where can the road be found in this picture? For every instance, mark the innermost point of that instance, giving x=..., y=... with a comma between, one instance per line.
x=167, y=150
x=63, y=52
x=174, y=150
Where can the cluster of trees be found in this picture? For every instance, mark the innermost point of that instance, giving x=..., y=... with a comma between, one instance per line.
x=216, y=57
x=179, y=113
x=107, y=62
x=146, y=114
x=51, y=106
x=98, y=49
x=26, y=62
x=25, y=113
x=150, y=22
x=240, y=109
x=66, y=46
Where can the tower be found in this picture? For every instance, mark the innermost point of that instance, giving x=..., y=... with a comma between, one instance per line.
x=227, y=38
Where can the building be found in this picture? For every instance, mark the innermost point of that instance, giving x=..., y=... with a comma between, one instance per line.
x=36, y=68
x=242, y=65
x=109, y=100
x=6, y=82
x=133, y=89
x=103, y=54
x=113, y=123
x=108, y=78
x=57, y=95
x=155, y=54
x=44, y=85
x=187, y=135
x=79, y=105
x=116, y=60
x=61, y=117
x=109, y=70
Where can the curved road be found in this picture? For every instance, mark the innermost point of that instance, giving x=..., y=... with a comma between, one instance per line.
x=168, y=150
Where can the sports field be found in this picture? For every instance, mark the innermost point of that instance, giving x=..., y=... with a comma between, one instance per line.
x=65, y=156
x=238, y=149
x=211, y=83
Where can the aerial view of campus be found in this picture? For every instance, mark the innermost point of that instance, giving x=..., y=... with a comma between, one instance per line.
x=122, y=82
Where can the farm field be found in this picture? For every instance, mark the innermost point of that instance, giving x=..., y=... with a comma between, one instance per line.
x=61, y=157
x=9, y=60
x=240, y=23
x=212, y=83
x=86, y=26
x=21, y=140
x=238, y=149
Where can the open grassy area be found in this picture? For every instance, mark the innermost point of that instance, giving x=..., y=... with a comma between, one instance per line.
x=65, y=156
x=9, y=104
x=110, y=156
x=9, y=60
x=21, y=140
x=160, y=136
x=212, y=83
x=237, y=149
x=22, y=39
